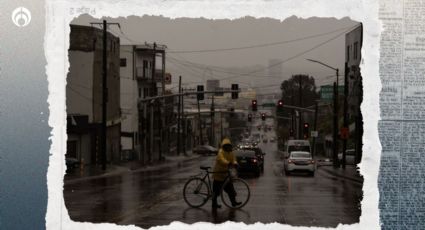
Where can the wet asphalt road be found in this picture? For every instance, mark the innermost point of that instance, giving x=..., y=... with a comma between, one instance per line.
x=155, y=198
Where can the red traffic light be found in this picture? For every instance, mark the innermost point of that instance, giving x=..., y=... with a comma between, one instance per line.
x=280, y=103
x=254, y=105
x=306, y=125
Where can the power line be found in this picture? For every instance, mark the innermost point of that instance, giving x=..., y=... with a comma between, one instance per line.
x=258, y=45
x=81, y=95
x=293, y=57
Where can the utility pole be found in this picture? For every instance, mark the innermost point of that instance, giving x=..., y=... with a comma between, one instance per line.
x=212, y=121
x=294, y=133
x=345, y=125
x=315, y=128
x=300, y=135
x=162, y=118
x=103, y=130
x=221, y=126
x=104, y=94
x=152, y=104
x=179, y=116
x=185, y=125
x=200, y=125
x=150, y=156
x=145, y=134
x=335, y=128
x=335, y=113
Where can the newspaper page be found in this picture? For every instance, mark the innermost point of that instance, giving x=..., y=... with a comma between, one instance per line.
x=401, y=129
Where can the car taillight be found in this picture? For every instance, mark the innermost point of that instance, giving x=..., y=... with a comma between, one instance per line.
x=254, y=160
x=311, y=161
x=290, y=161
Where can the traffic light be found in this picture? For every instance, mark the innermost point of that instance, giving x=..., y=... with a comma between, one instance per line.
x=249, y=117
x=200, y=95
x=235, y=95
x=280, y=105
x=306, y=129
x=263, y=116
x=254, y=105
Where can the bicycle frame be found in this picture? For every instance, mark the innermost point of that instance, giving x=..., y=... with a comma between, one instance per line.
x=207, y=176
x=204, y=177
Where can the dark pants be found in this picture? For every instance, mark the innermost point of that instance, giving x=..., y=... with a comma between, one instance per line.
x=229, y=189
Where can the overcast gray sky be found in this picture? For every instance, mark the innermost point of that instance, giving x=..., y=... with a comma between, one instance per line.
x=326, y=44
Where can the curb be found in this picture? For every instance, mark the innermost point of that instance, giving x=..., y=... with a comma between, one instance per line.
x=356, y=179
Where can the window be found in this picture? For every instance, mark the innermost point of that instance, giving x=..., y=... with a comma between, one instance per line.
x=145, y=92
x=355, y=50
x=348, y=53
x=145, y=66
x=140, y=92
x=123, y=62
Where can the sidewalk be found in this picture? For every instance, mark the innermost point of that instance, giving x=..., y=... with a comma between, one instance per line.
x=350, y=172
x=95, y=171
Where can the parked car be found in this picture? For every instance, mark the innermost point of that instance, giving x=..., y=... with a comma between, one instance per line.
x=300, y=161
x=350, y=157
x=248, y=162
x=259, y=153
x=205, y=150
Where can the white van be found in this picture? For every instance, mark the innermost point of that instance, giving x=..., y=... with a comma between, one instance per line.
x=296, y=145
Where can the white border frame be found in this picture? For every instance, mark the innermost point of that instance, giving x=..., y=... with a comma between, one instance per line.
x=57, y=43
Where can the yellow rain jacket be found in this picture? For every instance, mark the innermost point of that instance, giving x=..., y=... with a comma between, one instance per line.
x=222, y=162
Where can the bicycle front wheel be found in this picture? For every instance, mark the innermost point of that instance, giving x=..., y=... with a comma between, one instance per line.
x=235, y=193
x=196, y=192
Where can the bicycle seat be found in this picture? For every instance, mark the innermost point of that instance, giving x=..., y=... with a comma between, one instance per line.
x=205, y=167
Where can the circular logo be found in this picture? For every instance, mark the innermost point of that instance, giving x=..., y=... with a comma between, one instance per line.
x=21, y=16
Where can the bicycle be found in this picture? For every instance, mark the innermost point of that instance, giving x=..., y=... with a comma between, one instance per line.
x=198, y=189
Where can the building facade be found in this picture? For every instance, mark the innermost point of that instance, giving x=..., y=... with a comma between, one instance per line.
x=353, y=59
x=142, y=75
x=84, y=95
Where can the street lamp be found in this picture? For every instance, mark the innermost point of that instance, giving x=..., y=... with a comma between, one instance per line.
x=335, y=115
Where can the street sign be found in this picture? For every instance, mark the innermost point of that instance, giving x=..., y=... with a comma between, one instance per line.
x=314, y=133
x=327, y=92
x=344, y=133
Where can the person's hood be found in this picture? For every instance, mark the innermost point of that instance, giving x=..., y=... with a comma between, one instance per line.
x=226, y=141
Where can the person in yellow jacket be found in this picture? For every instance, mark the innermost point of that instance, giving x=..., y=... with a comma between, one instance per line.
x=225, y=159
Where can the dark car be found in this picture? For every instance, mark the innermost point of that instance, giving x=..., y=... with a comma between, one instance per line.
x=259, y=153
x=248, y=162
x=205, y=150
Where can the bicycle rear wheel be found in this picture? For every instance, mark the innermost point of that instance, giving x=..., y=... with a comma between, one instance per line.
x=242, y=190
x=196, y=192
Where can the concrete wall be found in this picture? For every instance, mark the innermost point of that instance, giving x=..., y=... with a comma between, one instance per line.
x=79, y=87
x=86, y=56
x=128, y=100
